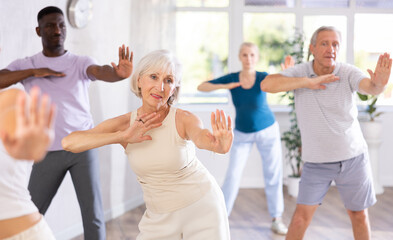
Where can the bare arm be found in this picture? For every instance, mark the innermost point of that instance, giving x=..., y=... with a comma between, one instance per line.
x=379, y=78
x=219, y=141
x=111, y=131
x=26, y=136
x=8, y=78
x=116, y=72
x=279, y=83
x=207, y=86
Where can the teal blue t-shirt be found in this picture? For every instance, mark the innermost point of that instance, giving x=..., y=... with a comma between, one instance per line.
x=252, y=111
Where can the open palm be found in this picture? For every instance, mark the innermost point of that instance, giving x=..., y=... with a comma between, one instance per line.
x=125, y=66
x=380, y=76
x=34, y=131
x=222, y=136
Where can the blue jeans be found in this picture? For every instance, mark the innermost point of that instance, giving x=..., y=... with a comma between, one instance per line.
x=268, y=142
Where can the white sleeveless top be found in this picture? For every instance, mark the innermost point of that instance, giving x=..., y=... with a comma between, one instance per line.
x=167, y=168
x=15, y=199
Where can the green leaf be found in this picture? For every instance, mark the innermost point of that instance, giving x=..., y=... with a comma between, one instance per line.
x=362, y=96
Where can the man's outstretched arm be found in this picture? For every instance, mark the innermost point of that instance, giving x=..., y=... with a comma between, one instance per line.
x=279, y=83
x=117, y=72
x=379, y=78
x=8, y=78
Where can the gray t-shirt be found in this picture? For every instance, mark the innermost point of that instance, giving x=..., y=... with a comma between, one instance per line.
x=327, y=119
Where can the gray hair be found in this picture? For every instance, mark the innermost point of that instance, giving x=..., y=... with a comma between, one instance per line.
x=313, y=40
x=159, y=60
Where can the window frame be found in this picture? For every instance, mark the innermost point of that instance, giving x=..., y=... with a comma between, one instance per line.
x=237, y=8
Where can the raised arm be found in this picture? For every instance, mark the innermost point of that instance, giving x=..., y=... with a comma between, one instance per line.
x=8, y=78
x=219, y=141
x=288, y=62
x=116, y=72
x=26, y=135
x=279, y=83
x=111, y=131
x=379, y=78
x=207, y=86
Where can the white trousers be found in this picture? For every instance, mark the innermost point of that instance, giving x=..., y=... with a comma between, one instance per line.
x=268, y=142
x=204, y=219
x=39, y=231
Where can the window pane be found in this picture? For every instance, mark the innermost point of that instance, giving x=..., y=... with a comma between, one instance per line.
x=202, y=48
x=276, y=3
x=368, y=47
x=325, y=3
x=312, y=23
x=269, y=31
x=374, y=3
x=202, y=3
x=216, y=3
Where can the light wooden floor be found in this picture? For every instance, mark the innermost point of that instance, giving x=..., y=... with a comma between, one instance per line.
x=250, y=220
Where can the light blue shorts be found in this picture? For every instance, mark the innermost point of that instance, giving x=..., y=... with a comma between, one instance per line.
x=353, y=179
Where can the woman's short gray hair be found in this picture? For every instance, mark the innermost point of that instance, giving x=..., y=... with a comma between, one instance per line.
x=159, y=60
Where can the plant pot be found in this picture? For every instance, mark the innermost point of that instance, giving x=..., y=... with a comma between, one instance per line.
x=372, y=132
x=293, y=186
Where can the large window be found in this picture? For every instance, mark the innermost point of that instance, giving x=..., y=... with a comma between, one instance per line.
x=209, y=33
x=312, y=22
x=202, y=3
x=370, y=42
x=269, y=31
x=203, y=51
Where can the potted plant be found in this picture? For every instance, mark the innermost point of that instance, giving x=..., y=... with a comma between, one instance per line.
x=371, y=128
x=293, y=144
x=291, y=137
x=372, y=132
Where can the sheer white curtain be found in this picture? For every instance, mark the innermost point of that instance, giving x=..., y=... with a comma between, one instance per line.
x=153, y=26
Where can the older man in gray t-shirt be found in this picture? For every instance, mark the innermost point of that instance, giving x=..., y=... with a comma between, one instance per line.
x=327, y=118
x=333, y=146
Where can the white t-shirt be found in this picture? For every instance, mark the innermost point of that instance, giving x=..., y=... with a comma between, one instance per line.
x=327, y=119
x=15, y=199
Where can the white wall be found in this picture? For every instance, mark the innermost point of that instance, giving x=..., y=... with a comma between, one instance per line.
x=144, y=25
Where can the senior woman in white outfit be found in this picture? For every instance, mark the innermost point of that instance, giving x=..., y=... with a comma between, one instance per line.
x=183, y=200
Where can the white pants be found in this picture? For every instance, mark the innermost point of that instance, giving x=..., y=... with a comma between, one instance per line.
x=268, y=142
x=204, y=219
x=39, y=231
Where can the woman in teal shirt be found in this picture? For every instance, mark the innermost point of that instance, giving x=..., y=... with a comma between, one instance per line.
x=255, y=123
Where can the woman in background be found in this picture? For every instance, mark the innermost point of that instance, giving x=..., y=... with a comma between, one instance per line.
x=255, y=123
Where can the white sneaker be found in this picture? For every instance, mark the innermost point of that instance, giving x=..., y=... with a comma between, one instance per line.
x=279, y=227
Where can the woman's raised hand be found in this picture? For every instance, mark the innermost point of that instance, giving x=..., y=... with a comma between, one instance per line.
x=288, y=62
x=136, y=132
x=222, y=136
x=34, y=130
